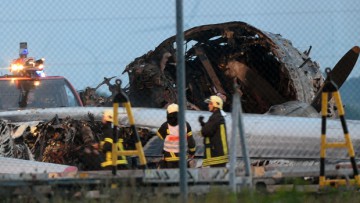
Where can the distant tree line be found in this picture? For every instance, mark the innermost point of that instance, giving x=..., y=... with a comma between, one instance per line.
x=350, y=96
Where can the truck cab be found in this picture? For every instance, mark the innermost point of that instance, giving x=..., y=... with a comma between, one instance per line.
x=23, y=92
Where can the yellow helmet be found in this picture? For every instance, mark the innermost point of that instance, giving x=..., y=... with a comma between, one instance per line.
x=172, y=108
x=216, y=101
x=108, y=115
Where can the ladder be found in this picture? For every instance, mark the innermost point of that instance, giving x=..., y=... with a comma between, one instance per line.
x=121, y=97
x=331, y=88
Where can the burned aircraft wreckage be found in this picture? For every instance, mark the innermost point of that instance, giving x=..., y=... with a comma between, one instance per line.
x=268, y=69
x=62, y=141
x=269, y=72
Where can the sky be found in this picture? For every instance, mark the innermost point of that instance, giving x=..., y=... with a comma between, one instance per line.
x=86, y=41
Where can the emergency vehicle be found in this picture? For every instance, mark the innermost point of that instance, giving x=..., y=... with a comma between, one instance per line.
x=28, y=87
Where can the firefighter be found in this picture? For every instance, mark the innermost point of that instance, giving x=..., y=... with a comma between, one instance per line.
x=214, y=133
x=107, y=142
x=169, y=133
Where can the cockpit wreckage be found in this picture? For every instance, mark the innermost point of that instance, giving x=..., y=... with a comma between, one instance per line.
x=270, y=74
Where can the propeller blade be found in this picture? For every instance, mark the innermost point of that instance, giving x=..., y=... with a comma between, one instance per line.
x=339, y=73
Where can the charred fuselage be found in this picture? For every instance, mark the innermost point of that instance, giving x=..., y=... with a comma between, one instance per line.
x=266, y=67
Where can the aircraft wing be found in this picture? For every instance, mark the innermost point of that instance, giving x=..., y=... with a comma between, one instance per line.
x=11, y=166
x=267, y=136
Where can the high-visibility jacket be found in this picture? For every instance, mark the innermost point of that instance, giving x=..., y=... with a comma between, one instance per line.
x=170, y=135
x=215, y=140
x=106, y=147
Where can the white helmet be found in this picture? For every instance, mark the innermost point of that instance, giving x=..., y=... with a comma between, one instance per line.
x=172, y=108
x=216, y=101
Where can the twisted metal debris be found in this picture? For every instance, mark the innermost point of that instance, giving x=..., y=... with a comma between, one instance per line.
x=12, y=146
x=61, y=141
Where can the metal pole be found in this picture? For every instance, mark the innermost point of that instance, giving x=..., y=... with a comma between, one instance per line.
x=180, y=75
x=243, y=142
x=235, y=132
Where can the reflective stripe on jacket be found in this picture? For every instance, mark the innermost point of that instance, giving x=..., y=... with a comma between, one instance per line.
x=215, y=140
x=108, y=155
x=106, y=146
x=170, y=135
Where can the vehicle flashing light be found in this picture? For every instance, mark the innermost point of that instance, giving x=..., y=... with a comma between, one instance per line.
x=40, y=73
x=16, y=67
x=28, y=67
x=24, y=51
x=36, y=83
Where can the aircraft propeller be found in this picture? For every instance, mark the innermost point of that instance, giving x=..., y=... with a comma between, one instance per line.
x=339, y=73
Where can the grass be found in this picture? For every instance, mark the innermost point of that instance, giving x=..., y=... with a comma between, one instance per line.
x=129, y=192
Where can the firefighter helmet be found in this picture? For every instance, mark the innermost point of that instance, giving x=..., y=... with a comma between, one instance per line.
x=108, y=115
x=216, y=101
x=172, y=108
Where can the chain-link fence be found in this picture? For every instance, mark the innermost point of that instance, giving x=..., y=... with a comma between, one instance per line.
x=273, y=52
